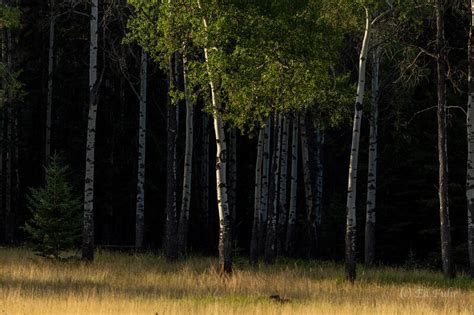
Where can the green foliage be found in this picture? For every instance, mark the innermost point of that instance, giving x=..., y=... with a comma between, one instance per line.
x=9, y=17
x=11, y=88
x=56, y=222
x=263, y=57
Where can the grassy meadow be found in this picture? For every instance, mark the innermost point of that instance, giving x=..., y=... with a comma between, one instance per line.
x=118, y=283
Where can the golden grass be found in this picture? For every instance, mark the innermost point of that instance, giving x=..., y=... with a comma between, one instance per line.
x=147, y=284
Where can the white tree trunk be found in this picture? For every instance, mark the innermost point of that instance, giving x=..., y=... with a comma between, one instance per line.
x=183, y=227
x=49, y=103
x=470, y=147
x=372, y=167
x=283, y=194
x=88, y=224
x=291, y=229
x=354, y=158
x=257, y=197
x=225, y=233
x=140, y=207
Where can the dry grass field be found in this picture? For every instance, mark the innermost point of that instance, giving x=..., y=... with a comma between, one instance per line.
x=147, y=284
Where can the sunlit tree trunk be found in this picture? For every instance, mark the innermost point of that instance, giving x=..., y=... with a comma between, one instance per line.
x=372, y=167
x=270, y=241
x=140, y=207
x=265, y=187
x=446, y=247
x=183, y=227
x=225, y=233
x=171, y=241
x=291, y=229
x=88, y=224
x=282, y=198
x=354, y=158
x=257, y=196
x=470, y=145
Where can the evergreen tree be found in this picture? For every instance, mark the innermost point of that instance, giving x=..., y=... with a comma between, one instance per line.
x=56, y=221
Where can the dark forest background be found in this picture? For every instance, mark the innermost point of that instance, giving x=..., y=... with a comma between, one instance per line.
x=407, y=200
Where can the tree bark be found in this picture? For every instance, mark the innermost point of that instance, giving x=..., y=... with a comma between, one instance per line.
x=233, y=178
x=308, y=188
x=350, y=263
x=264, y=200
x=225, y=220
x=171, y=242
x=283, y=194
x=140, y=207
x=8, y=177
x=446, y=247
x=372, y=167
x=291, y=229
x=257, y=197
x=88, y=222
x=320, y=140
x=183, y=228
x=470, y=146
x=270, y=241
x=204, y=178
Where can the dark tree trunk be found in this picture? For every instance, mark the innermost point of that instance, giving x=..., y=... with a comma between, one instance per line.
x=270, y=241
x=470, y=144
x=446, y=247
x=171, y=244
x=257, y=198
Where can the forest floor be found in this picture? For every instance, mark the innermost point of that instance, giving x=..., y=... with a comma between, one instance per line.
x=118, y=283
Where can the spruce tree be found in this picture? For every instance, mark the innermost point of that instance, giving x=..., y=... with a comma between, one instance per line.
x=56, y=212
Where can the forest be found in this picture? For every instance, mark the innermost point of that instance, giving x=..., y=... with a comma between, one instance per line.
x=237, y=156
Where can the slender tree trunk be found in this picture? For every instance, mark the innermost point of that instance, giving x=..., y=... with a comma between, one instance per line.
x=257, y=197
x=354, y=158
x=9, y=150
x=171, y=242
x=49, y=104
x=291, y=230
x=8, y=177
x=270, y=241
x=140, y=207
x=233, y=179
x=372, y=169
x=15, y=175
x=183, y=227
x=308, y=188
x=88, y=223
x=204, y=178
x=320, y=139
x=470, y=146
x=446, y=247
x=264, y=200
x=225, y=219
x=282, y=198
